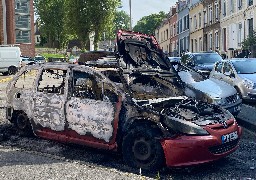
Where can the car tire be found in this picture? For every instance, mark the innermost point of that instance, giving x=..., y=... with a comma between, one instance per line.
x=141, y=148
x=12, y=70
x=22, y=124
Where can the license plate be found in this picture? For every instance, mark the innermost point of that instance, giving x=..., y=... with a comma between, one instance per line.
x=229, y=137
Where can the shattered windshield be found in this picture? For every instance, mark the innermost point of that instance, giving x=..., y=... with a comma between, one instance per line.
x=146, y=87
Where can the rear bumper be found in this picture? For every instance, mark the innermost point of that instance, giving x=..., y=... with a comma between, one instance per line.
x=193, y=150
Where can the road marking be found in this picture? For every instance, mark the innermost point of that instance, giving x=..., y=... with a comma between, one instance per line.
x=6, y=80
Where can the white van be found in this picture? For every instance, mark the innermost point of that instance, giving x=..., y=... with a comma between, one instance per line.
x=10, y=60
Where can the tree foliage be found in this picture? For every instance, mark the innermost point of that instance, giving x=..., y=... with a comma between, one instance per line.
x=148, y=24
x=249, y=41
x=51, y=18
x=64, y=19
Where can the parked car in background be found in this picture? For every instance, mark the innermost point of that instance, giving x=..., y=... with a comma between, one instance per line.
x=39, y=59
x=25, y=60
x=209, y=89
x=239, y=73
x=202, y=62
x=10, y=60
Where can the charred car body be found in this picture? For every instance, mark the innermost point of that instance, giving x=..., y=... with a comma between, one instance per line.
x=131, y=108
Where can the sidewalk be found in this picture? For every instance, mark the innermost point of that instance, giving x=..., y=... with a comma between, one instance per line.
x=247, y=117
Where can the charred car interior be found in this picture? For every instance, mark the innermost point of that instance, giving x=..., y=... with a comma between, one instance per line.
x=134, y=105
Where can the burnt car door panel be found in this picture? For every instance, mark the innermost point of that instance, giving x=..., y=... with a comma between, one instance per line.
x=21, y=93
x=49, y=101
x=91, y=110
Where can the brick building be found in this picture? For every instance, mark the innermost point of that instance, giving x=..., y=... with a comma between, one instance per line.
x=17, y=25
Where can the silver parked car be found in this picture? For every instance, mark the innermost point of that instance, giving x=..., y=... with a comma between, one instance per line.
x=240, y=73
x=209, y=90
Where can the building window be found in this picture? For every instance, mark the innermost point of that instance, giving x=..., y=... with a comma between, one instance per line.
x=195, y=22
x=239, y=4
x=210, y=14
x=217, y=40
x=210, y=42
x=224, y=8
x=205, y=18
x=200, y=20
x=200, y=44
x=231, y=6
x=167, y=33
x=196, y=45
x=187, y=21
x=216, y=11
x=171, y=33
x=239, y=34
x=174, y=30
x=250, y=26
x=250, y=2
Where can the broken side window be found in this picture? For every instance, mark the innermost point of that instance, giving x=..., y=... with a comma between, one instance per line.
x=52, y=81
x=27, y=79
x=86, y=86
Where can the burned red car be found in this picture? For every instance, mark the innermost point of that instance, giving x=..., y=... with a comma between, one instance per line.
x=140, y=114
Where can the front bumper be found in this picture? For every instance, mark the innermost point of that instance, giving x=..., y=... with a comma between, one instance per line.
x=192, y=150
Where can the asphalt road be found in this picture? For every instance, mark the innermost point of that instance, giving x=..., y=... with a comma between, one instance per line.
x=35, y=158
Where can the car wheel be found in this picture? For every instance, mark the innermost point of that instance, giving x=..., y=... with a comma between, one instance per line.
x=22, y=123
x=12, y=70
x=142, y=149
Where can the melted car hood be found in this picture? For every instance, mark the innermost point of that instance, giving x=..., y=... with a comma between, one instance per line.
x=251, y=77
x=214, y=88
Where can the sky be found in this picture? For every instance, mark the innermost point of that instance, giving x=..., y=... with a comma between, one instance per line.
x=142, y=8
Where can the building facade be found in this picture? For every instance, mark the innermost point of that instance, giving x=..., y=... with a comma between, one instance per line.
x=196, y=26
x=238, y=19
x=173, y=32
x=17, y=25
x=163, y=37
x=183, y=26
x=211, y=25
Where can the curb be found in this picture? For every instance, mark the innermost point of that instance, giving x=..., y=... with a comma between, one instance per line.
x=247, y=117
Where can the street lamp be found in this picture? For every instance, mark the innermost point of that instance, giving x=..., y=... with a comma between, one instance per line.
x=130, y=6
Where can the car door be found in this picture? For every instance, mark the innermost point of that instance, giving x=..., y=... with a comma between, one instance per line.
x=49, y=100
x=92, y=110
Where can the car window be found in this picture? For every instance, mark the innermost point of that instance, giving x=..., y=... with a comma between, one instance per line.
x=245, y=67
x=218, y=67
x=52, y=81
x=206, y=58
x=27, y=79
x=85, y=86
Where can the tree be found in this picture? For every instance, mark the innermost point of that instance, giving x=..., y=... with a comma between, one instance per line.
x=51, y=18
x=249, y=41
x=121, y=21
x=148, y=24
x=85, y=16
